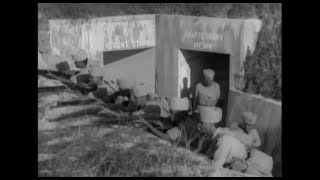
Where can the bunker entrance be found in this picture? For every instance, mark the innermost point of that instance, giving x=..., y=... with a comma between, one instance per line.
x=198, y=61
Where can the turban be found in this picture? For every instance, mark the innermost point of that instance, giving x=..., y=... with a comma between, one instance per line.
x=80, y=55
x=249, y=117
x=139, y=91
x=126, y=82
x=208, y=73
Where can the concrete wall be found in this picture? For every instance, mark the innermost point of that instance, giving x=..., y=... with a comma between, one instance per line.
x=41, y=63
x=101, y=34
x=166, y=57
x=269, y=122
x=184, y=72
x=132, y=66
x=105, y=34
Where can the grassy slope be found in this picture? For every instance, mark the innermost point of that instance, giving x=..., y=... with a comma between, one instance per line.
x=124, y=151
x=101, y=151
x=70, y=148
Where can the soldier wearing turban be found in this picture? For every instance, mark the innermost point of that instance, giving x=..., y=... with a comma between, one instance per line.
x=81, y=61
x=208, y=92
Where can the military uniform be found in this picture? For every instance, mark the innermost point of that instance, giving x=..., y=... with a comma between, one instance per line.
x=151, y=103
x=101, y=92
x=207, y=95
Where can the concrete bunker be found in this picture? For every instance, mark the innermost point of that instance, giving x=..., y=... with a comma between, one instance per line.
x=162, y=44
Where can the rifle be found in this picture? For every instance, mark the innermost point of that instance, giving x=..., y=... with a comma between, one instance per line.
x=109, y=85
x=75, y=102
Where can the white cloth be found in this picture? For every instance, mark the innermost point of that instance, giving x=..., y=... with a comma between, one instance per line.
x=210, y=114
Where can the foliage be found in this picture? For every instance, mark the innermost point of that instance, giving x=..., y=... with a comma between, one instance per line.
x=263, y=73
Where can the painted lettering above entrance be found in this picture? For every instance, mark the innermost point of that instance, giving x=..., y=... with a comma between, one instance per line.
x=203, y=40
x=200, y=34
x=208, y=34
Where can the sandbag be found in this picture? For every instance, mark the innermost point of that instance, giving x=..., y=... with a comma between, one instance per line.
x=179, y=104
x=210, y=114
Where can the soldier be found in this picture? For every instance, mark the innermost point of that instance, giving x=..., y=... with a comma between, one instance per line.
x=245, y=131
x=141, y=99
x=81, y=61
x=237, y=148
x=97, y=80
x=207, y=93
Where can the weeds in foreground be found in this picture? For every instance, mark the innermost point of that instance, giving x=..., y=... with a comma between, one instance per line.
x=104, y=156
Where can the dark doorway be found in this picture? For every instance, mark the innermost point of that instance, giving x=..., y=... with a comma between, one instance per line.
x=198, y=61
